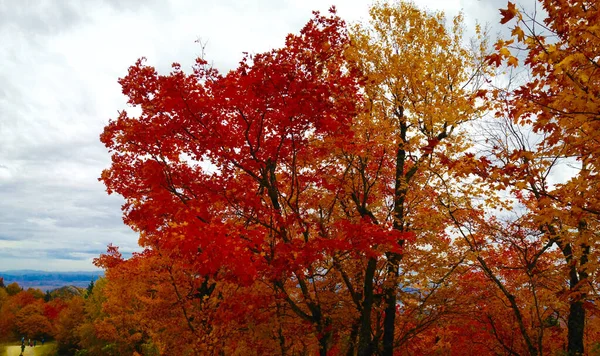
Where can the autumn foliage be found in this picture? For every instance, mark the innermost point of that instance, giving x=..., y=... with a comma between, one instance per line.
x=331, y=196
x=28, y=313
x=367, y=189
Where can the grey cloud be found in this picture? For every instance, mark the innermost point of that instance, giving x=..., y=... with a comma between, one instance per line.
x=35, y=17
x=8, y=238
x=137, y=5
x=74, y=254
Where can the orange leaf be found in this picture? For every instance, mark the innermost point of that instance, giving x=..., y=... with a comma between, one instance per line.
x=517, y=31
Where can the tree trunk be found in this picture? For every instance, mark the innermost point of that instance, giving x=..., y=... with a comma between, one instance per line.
x=400, y=190
x=353, y=335
x=575, y=324
x=324, y=336
x=389, y=321
x=365, y=343
x=576, y=320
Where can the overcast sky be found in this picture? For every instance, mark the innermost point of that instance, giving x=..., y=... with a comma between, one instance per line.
x=59, y=64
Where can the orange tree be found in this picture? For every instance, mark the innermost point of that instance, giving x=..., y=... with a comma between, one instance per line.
x=521, y=281
x=560, y=104
x=31, y=321
x=147, y=295
x=11, y=308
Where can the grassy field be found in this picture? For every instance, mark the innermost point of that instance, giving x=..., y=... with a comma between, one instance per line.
x=49, y=349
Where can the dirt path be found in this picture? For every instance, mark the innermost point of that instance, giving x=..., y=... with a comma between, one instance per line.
x=16, y=351
x=29, y=351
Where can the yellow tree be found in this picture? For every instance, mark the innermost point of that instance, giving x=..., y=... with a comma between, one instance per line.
x=420, y=90
x=13, y=288
x=88, y=337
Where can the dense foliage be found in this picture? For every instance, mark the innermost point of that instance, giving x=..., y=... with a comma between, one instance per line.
x=363, y=190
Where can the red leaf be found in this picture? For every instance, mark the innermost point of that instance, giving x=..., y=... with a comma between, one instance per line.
x=509, y=13
x=494, y=59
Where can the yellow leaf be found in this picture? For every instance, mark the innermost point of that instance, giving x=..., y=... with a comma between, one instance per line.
x=584, y=78
x=517, y=31
x=504, y=52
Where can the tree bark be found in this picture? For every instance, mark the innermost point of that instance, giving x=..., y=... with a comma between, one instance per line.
x=400, y=189
x=575, y=324
x=576, y=320
x=353, y=335
x=365, y=342
x=389, y=321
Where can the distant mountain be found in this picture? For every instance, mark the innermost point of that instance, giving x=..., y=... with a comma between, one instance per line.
x=49, y=280
x=67, y=292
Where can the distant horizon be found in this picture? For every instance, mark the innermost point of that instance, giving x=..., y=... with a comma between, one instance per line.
x=50, y=280
x=97, y=270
